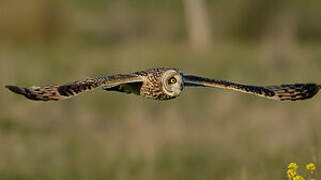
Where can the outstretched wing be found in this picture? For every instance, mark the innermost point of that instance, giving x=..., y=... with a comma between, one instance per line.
x=58, y=92
x=284, y=92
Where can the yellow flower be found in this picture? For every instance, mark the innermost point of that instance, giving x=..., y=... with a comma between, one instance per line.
x=293, y=166
x=291, y=173
x=298, y=178
x=310, y=167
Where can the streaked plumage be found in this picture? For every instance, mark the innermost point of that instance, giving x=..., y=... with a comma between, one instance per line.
x=163, y=84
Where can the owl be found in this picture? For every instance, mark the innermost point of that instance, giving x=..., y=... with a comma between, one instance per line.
x=162, y=84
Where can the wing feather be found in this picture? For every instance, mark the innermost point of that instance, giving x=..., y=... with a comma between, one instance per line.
x=286, y=92
x=58, y=92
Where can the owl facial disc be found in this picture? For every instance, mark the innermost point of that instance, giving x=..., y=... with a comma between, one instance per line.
x=172, y=83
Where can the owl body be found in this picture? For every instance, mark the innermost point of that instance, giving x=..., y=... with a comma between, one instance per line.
x=153, y=86
x=152, y=89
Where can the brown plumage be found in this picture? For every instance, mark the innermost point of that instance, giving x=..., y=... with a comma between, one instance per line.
x=163, y=84
x=68, y=90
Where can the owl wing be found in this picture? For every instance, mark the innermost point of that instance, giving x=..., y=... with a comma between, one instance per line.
x=58, y=92
x=284, y=92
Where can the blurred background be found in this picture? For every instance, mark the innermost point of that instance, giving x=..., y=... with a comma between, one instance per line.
x=203, y=134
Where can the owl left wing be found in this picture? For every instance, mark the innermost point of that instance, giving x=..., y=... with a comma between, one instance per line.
x=68, y=90
x=284, y=92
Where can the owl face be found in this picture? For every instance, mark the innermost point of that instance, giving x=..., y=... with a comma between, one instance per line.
x=172, y=83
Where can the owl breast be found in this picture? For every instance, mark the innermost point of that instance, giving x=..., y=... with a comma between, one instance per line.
x=154, y=93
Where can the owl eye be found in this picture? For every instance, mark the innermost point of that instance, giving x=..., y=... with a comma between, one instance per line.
x=172, y=80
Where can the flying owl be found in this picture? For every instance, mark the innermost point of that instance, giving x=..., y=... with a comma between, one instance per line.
x=162, y=84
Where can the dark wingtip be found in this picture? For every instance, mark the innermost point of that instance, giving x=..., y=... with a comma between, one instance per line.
x=313, y=89
x=16, y=89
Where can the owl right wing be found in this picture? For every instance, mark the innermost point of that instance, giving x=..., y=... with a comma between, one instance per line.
x=284, y=92
x=68, y=90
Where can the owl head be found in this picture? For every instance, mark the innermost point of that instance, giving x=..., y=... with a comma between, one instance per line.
x=172, y=82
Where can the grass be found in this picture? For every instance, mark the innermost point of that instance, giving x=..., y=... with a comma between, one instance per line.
x=204, y=134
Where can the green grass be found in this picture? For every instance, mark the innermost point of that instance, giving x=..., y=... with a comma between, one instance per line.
x=204, y=134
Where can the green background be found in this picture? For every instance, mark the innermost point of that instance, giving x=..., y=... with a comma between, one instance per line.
x=203, y=134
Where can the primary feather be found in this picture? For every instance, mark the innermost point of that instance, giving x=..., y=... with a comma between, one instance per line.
x=58, y=92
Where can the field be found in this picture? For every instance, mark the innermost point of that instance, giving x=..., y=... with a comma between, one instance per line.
x=203, y=134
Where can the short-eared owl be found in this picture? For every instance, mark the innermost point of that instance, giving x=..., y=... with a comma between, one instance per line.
x=162, y=84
